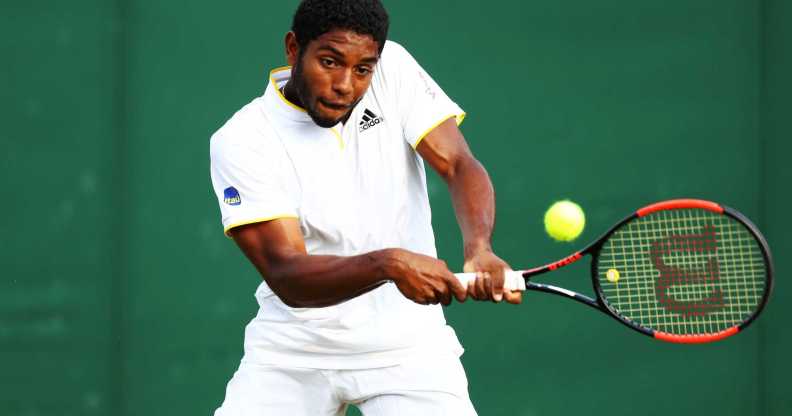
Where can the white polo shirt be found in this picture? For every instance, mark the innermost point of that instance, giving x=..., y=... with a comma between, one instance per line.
x=355, y=188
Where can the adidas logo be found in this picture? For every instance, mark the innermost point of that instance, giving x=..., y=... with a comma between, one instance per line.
x=369, y=120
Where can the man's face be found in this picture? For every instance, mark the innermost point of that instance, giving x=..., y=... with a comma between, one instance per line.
x=333, y=72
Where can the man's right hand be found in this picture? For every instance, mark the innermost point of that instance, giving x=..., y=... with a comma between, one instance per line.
x=423, y=279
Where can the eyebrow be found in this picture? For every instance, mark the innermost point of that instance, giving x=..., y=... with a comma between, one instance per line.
x=369, y=60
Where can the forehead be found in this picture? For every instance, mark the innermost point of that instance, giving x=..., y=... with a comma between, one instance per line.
x=347, y=42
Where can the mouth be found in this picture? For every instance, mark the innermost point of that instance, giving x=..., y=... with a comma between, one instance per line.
x=335, y=106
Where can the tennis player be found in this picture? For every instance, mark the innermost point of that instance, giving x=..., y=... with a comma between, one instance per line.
x=321, y=184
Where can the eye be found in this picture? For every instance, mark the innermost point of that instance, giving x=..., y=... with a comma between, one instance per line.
x=363, y=70
x=328, y=62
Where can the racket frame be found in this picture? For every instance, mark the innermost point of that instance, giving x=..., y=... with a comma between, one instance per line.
x=602, y=305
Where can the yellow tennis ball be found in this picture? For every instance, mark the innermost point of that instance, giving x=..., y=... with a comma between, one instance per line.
x=564, y=220
x=612, y=275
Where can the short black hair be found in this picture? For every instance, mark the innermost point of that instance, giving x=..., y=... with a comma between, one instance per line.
x=314, y=18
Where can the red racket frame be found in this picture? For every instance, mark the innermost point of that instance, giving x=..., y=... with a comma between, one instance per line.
x=601, y=304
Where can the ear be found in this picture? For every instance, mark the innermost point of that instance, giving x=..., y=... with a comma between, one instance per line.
x=292, y=48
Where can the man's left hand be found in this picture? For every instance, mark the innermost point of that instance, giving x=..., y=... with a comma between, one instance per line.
x=489, y=281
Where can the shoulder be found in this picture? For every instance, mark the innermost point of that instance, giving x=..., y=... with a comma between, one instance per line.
x=248, y=130
x=395, y=68
x=247, y=144
x=393, y=53
x=392, y=47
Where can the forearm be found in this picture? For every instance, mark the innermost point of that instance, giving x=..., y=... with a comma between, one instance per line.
x=304, y=280
x=473, y=198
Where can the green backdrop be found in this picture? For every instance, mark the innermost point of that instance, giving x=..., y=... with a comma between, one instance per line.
x=119, y=294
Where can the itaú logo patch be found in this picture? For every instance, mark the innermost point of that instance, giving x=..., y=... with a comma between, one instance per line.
x=231, y=196
x=369, y=120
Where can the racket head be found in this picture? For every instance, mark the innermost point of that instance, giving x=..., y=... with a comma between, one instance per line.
x=684, y=271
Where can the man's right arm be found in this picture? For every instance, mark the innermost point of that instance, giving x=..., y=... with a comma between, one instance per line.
x=277, y=250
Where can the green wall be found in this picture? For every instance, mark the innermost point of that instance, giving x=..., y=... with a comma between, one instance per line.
x=59, y=84
x=119, y=294
x=776, y=135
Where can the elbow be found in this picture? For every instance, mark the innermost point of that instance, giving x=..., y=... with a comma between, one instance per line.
x=281, y=287
x=292, y=303
x=460, y=168
x=281, y=276
x=446, y=169
x=290, y=291
x=288, y=299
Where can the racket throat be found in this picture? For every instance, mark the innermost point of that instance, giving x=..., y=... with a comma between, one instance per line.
x=553, y=266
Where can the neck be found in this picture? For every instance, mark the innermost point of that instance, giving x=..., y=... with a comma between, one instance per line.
x=289, y=92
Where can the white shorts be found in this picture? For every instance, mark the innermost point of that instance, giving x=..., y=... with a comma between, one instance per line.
x=434, y=386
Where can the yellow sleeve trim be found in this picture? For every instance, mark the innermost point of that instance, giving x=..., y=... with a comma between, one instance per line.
x=459, y=119
x=264, y=219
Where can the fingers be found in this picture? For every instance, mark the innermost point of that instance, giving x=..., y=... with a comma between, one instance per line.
x=497, y=285
x=431, y=297
x=489, y=283
x=512, y=297
x=429, y=281
x=481, y=286
x=444, y=295
x=444, y=291
x=471, y=289
x=486, y=287
x=456, y=288
x=425, y=296
x=490, y=276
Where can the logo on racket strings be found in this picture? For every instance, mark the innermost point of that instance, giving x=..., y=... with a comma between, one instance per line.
x=693, y=248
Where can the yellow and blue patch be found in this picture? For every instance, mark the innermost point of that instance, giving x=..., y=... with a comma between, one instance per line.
x=231, y=196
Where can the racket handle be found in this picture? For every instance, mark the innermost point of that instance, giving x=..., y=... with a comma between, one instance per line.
x=514, y=279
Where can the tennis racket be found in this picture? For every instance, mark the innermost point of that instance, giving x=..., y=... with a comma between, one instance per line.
x=684, y=271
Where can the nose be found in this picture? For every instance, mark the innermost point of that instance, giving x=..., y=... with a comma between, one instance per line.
x=342, y=84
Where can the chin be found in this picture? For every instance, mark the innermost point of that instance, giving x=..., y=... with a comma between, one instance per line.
x=323, y=121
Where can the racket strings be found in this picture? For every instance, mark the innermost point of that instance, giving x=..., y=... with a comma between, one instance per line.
x=686, y=272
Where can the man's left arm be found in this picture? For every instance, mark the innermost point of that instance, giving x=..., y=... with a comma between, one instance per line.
x=473, y=196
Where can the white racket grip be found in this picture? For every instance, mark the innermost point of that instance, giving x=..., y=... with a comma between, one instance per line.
x=514, y=279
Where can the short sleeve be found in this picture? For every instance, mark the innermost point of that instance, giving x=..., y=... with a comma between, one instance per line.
x=421, y=104
x=252, y=183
